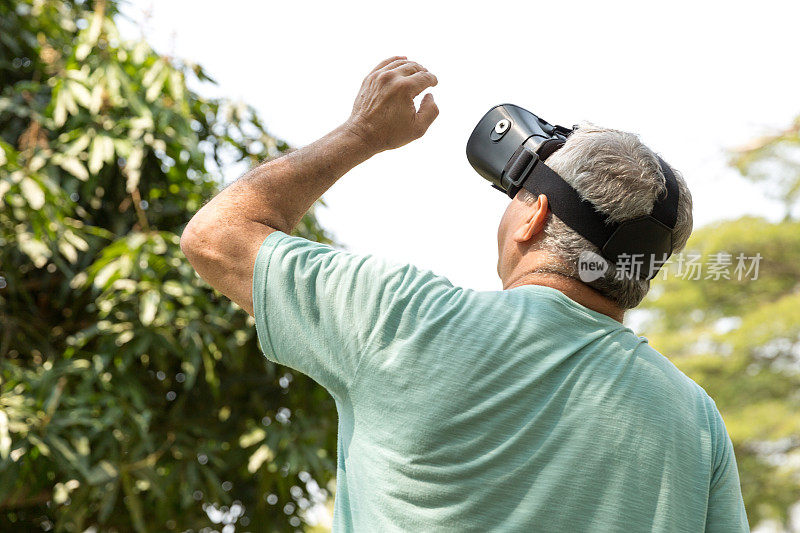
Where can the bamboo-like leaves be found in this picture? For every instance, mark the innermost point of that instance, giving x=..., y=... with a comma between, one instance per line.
x=127, y=384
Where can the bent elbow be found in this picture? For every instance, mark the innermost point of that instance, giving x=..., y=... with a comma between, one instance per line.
x=196, y=244
x=188, y=241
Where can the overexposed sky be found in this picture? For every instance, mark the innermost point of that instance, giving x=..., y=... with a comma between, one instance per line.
x=692, y=78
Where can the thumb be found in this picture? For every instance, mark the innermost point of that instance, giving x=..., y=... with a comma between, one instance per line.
x=426, y=115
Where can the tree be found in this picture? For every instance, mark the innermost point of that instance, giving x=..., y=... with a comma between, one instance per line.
x=132, y=396
x=739, y=338
x=774, y=160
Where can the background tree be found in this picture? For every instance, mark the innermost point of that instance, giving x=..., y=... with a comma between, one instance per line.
x=740, y=339
x=132, y=397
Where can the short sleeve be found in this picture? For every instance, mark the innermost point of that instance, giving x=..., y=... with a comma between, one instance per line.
x=318, y=310
x=726, y=512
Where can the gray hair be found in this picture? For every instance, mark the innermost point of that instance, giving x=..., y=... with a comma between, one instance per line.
x=621, y=177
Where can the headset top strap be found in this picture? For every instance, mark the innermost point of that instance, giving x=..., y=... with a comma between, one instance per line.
x=665, y=209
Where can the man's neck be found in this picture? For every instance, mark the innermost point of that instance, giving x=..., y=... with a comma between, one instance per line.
x=572, y=288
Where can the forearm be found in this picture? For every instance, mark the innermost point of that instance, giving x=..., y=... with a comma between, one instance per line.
x=278, y=193
x=223, y=238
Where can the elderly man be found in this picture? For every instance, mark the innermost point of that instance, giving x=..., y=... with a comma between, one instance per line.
x=528, y=409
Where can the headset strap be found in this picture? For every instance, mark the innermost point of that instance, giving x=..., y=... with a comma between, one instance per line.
x=526, y=169
x=665, y=209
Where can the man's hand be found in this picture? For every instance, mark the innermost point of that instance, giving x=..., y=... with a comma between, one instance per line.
x=384, y=116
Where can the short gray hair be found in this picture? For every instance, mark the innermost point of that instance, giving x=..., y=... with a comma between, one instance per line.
x=621, y=177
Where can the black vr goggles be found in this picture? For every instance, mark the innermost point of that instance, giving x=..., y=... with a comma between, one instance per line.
x=509, y=146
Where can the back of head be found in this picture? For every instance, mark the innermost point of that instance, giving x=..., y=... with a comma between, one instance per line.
x=622, y=178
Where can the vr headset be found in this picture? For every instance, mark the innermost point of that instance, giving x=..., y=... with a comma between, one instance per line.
x=509, y=147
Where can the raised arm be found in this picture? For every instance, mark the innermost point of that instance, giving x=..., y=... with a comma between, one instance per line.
x=222, y=239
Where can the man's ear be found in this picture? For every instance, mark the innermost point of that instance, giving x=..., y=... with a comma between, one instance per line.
x=534, y=221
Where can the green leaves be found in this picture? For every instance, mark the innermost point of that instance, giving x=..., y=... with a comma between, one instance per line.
x=32, y=192
x=5, y=438
x=102, y=151
x=130, y=392
x=154, y=80
x=74, y=167
x=775, y=161
x=148, y=305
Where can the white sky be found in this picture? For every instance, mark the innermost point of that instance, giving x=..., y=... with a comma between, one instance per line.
x=692, y=78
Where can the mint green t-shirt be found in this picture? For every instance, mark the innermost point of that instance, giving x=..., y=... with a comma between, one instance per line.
x=516, y=410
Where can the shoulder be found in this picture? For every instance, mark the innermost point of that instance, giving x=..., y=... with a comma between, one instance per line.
x=688, y=395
